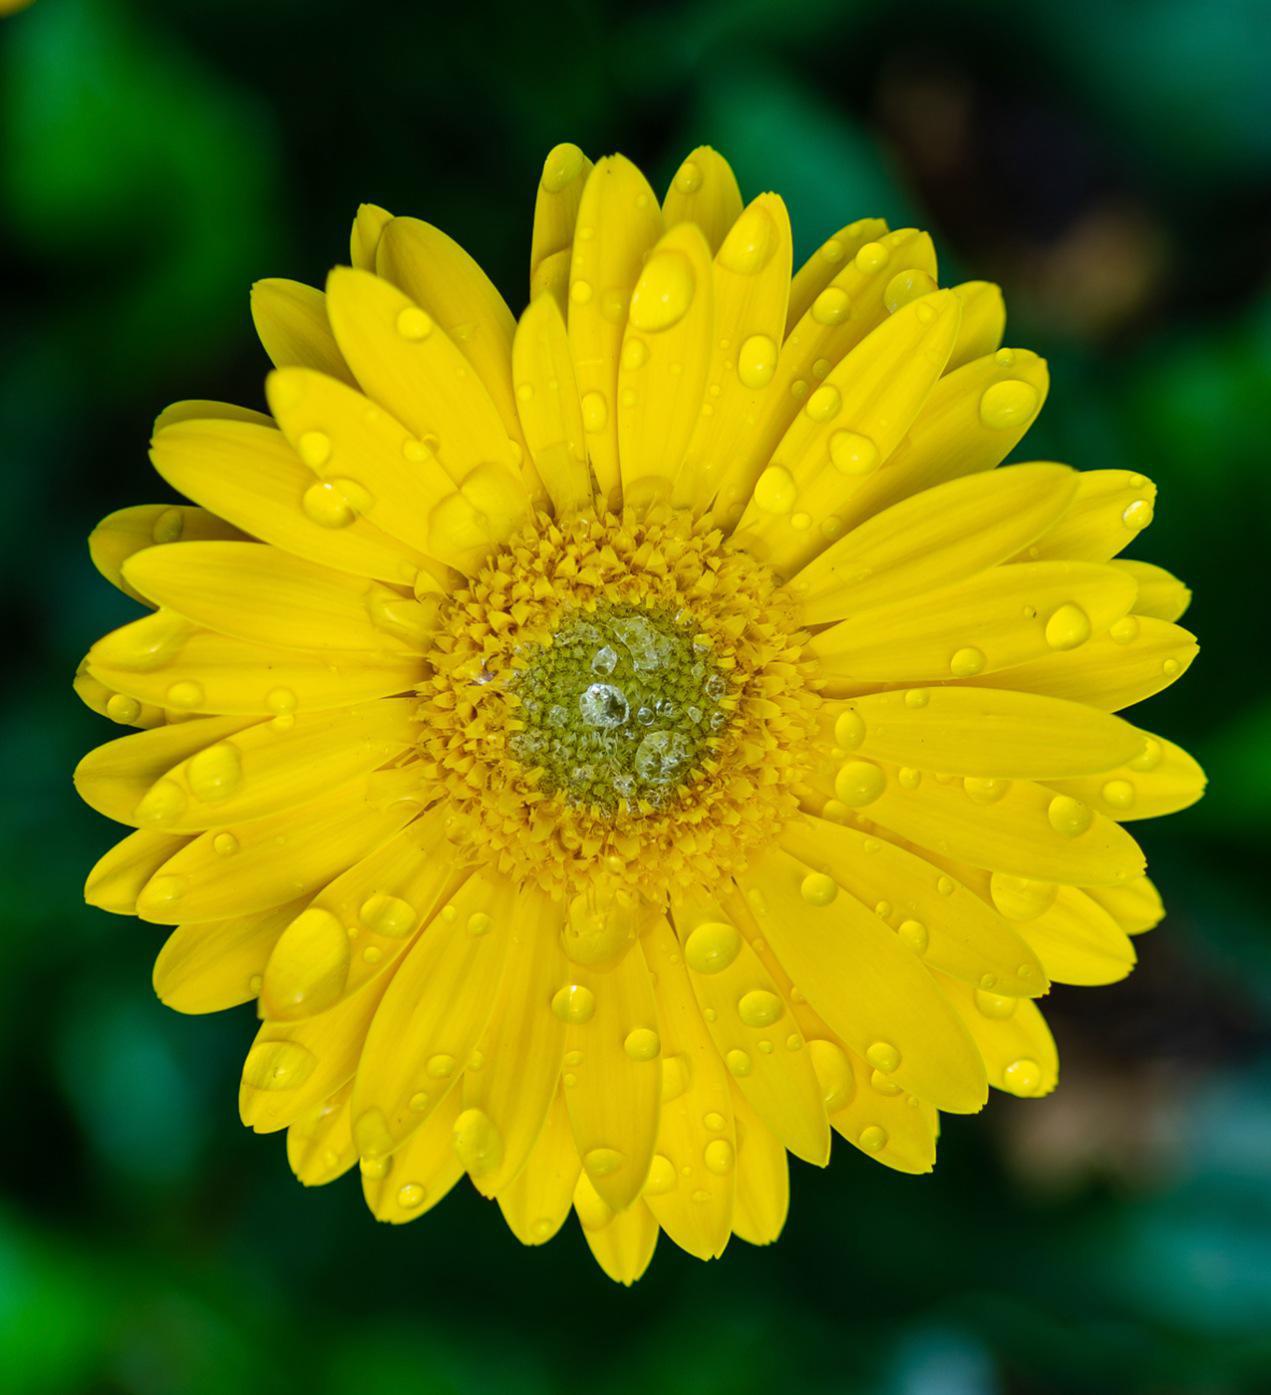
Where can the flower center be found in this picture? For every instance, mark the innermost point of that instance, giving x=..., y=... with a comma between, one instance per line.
x=619, y=708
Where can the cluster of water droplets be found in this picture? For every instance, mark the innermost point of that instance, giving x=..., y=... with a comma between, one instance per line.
x=618, y=708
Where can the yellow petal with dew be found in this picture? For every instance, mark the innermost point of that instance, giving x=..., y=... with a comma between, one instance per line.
x=410, y=1182
x=126, y=531
x=120, y=874
x=559, y=194
x=983, y=322
x=218, y=964
x=1159, y=778
x=1079, y=942
x=827, y=262
x=1136, y=907
x=761, y=1197
x=121, y=709
x=536, y=1201
x=943, y=535
x=320, y=1142
x=291, y=320
x=858, y=976
x=432, y=1016
x=618, y=223
x=204, y=409
x=1109, y=510
x=364, y=237
x=877, y=1116
x=1017, y=1046
x=1161, y=595
x=621, y=1242
x=704, y=192
x=547, y=399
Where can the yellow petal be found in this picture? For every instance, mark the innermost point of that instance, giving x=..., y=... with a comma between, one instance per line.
x=279, y=856
x=377, y=906
x=877, y=1117
x=164, y=660
x=1116, y=669
x=751, y=276
x=1078, y=941
x=547, y=399
x=123, y=710
x=870, y=989
x=943, y=535
x=982, y=733
x=933, y=915
x=514, y=1073
x=1018, y=1049
x=420, y=1173
x=291, y=320
x=829, y=259
x=613, y=1074
x=1160, y=595
x=126, y=531
x=850, y=424
x=1001, y=618
x=202, y=409
x=748, y=1015
x=263, y=596
x=537, y=1200
x=1110, y=508
x=1136, y=907
x=560, y=191
x=320, y=1142
x=1159, y=778
x=431, y=1017
x=662, y=370
x=621, y=1242
x=364, y=237
x=119, y=875
x=762, y=1192
x=218, y=964
x=983, y=322
x=618, y=222
x=690, y=1185
x=704, y=192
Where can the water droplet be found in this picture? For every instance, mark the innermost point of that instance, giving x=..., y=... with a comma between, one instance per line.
x=642, y=1044
x=1020, y=898
x=688, y=178
x=967, y=662
x=831, y=307
x=574, y=1003
x=946, y=886
x=712, y=947
x=718, y=1157
x=479, y=924
x=853, y=454
x=775, y=490
x=278, y=1065
x=908, y=778
x=750, y=243
x=739, y=1063
x=982, y=790
x=1119, y=794
x=661, y=1178
x=757, y=361
x=168, y=527
x=215, y=773
x=675, y=1077
x=833, y=1072
x=564, y=163
x=441, y=1067
x=917, y=697
x=478, y=1143
x=663, y=293
x=1069, y=816
x=995, y=1005
x=660, y=756
x=715, y=1122
x=603, y=1162
x=280, y=701
x=873, y=1138
x=759, y=1008
x=595, y=412
x=604, y=705
x=635, y=354
x=858, y=783
x=1137, y=515
x=818, y=890
x=1125, y=630
x=824, y=403
x=1068, y=627
x=907, y=286
x=413, y=323
x=883, y=1056
x=1149, y=757
x=388, y=915
x=580, y=292
x=124, y=710
x=1008, y=404
x=873, y=256
x=314, y=448
x=225, y=845
x=410, y=1195
x=1022, y=1077
x=184, y=696
x=914, y=934
x=164, y=802
x=164, y=890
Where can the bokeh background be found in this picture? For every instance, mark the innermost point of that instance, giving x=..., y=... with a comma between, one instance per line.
x=1109, y=163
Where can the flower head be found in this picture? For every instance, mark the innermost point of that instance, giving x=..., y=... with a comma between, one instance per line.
x=619, y=747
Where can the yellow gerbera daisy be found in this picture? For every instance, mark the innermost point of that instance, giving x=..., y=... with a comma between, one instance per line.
x=619, y=747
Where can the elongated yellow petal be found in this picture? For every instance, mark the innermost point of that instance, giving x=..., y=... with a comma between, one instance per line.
x=537, y=1200
x=704, y=192
x=420, y=1173
x=514, y=1073
x=119, y=875
x=1161, y=595
x=984, y=733
x=613, y=1075
x=1078, y=941
x=849, y=427
x=356, y=928
x=622, y=1242
x=1136, y=907
x=858, y=976
x=749, y=1017
x=364, y=236
x=121, y=709
x=1136, y=658
x=263, y=596
x=291, y=320
x=933, y=915
x=751, y=275
x=432, y=1016
x=662, y=370
x=1018, y=1049
x=165, y=660
x=560, y=192
x=761, y=1197
x=827, y=262
x=294, y=1066
x=999, y=619
x=218, y=964
x=320, y=1142
x=970, y=422
x=547, y=399
x=1160, y=778
x=940, y=536
x=204, y=409
x=691, y=1181
x=874, y=1114
x=1110, y=509
x=126, y=531
x=983, y=322
x=277, y=857
x=618, y=222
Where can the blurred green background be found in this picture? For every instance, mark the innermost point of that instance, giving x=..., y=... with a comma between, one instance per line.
x=1110, y=165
